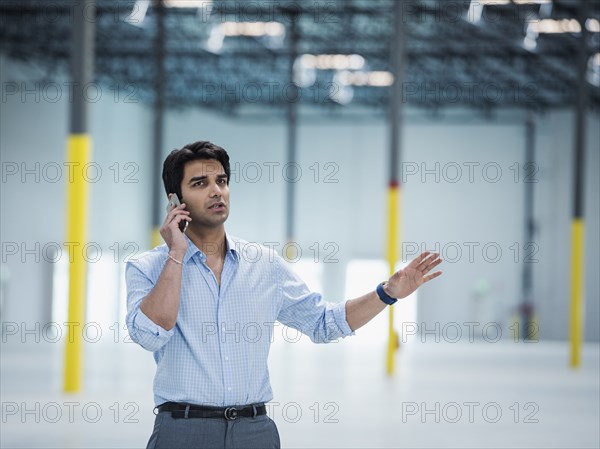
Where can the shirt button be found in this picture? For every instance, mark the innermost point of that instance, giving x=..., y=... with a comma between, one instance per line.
x=228, y=388
x=226, y=358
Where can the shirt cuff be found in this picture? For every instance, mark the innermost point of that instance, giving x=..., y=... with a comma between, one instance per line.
x=149, y=331
x=339, y=314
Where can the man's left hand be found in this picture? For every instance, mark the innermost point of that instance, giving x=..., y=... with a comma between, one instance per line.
x=406, y=281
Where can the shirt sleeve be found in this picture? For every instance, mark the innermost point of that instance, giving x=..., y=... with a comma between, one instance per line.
x=306, y=311
x=142, y=329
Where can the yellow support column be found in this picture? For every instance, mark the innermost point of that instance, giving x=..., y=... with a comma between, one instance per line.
x=577, y=223
x=392, y=258
x=78, y=155
x=576, y=309
x=397, y=58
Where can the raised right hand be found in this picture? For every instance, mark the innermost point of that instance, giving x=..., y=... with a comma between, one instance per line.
x=171, y=233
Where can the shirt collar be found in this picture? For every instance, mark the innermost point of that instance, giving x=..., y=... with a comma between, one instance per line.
x=192, y=250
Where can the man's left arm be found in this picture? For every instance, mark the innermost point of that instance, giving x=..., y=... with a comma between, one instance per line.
x=361, y=310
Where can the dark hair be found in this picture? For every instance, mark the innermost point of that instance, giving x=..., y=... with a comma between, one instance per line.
x=174, y=163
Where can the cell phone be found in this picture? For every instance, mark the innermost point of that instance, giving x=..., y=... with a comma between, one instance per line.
x=174, y=202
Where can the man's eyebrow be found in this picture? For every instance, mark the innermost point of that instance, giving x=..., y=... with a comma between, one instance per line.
x=204, y=177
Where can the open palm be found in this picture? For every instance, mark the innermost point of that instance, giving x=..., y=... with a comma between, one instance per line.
x=406, y=281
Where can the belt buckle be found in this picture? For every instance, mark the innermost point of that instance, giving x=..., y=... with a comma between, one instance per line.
x=230, y=413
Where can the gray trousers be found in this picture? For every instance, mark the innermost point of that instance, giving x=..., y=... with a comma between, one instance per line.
x=203, y=433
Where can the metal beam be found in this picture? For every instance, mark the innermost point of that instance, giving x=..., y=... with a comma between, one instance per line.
x=159, y=119
x=292, y=138
x=529, y=326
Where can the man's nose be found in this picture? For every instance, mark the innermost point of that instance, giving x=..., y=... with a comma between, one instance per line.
x=215, y=190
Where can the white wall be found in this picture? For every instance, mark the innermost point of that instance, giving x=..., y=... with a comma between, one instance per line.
x=349, y=213
x=474, y=218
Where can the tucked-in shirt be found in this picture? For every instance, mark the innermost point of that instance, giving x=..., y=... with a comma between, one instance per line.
x=217, y=352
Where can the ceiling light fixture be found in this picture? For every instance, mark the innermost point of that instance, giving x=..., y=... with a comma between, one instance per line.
x=252, y=29
x=552, y=26
x=361, y=78
x=333, y=62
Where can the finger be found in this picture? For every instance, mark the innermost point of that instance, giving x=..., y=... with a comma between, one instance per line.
x=427, y=260
x=432, y=264
x=176, y=220
x=182, y=213
x=178, y=208
x=415, y=262
x=174, y=212
x=179, y=218
x=431, y=276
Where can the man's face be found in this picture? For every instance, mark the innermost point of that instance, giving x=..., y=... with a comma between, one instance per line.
x=204, y=184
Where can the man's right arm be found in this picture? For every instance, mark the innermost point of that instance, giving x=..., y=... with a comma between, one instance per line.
x=161, y=305
x=152, y=307
x=142, y=329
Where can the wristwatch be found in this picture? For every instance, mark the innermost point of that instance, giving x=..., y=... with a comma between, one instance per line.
x=384, y=296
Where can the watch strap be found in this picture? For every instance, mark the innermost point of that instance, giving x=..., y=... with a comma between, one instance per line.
x=384, y=296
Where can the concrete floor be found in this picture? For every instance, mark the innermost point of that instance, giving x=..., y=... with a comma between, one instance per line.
x=443, y=395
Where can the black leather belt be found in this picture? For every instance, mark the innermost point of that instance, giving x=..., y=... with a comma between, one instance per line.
x=195, y=411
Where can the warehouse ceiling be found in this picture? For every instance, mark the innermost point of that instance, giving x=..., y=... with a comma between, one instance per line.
x=227, y=55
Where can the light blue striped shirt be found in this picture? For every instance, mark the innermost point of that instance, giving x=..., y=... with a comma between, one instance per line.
x=217, y=352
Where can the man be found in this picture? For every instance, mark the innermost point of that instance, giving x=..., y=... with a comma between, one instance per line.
x=202, y=305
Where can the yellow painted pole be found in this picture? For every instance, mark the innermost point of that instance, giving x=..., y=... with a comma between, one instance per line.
x=79, y=146
x=78, y=154
x=392, y=258
x=576, y=308
x=397, y=58
x=577, y=223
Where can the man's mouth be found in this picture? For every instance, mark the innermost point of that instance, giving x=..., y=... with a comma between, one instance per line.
x=217, y=206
